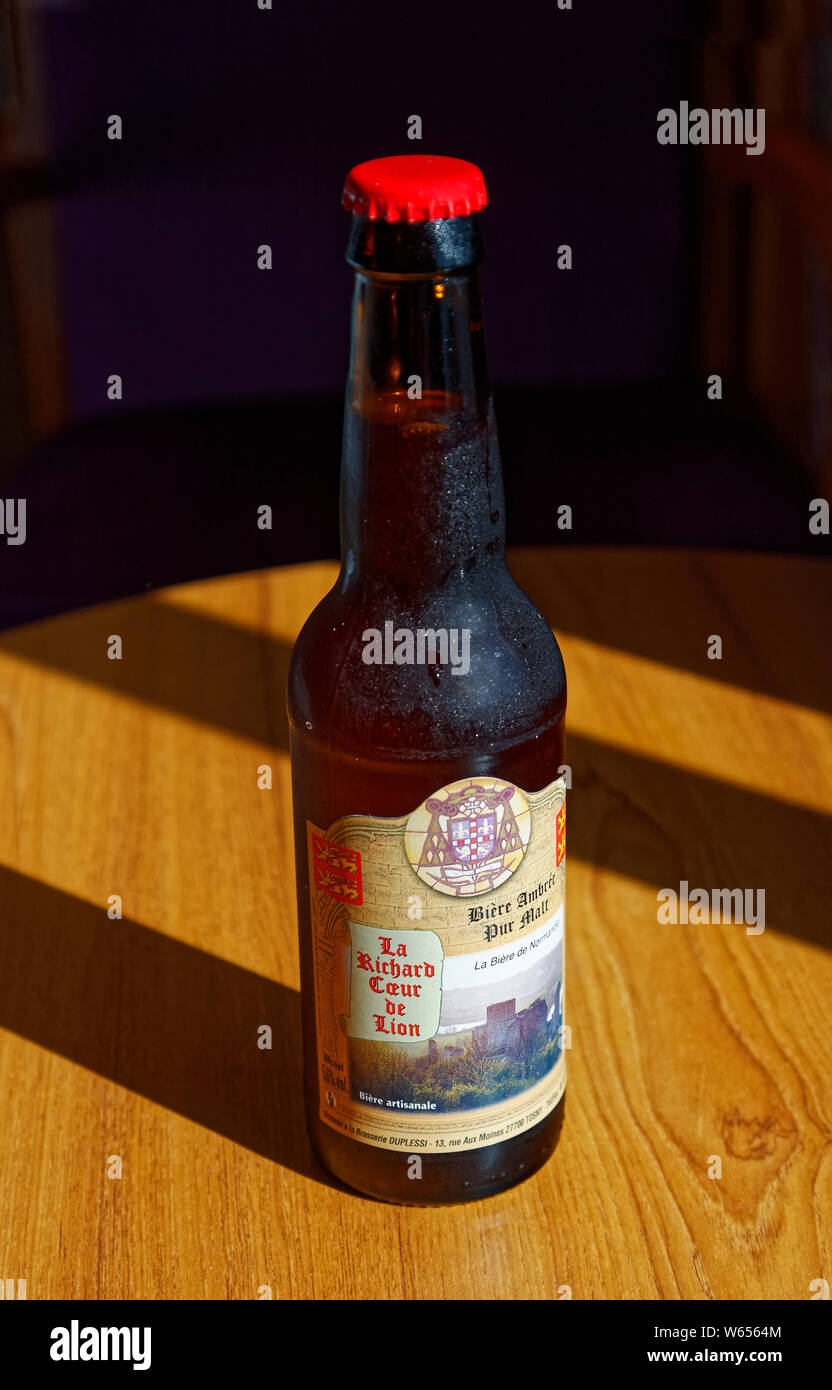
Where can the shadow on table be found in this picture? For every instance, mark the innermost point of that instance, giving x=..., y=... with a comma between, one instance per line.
x=769, y=612
x=179, y=1026
x=663, y=824
x=175, y=658
x=658, y=607
x=166, y=1020
x=629, y=814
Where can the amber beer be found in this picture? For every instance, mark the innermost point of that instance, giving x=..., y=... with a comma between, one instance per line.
x=427, y=698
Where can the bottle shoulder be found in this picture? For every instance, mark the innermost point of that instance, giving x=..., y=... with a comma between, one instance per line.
x=469, y=665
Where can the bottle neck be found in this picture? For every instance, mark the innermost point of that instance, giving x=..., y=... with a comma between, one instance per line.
x=421, y=492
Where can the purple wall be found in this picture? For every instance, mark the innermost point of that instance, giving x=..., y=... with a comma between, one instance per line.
x=239, y=130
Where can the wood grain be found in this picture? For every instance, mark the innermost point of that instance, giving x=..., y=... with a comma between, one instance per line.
x=138, y=1037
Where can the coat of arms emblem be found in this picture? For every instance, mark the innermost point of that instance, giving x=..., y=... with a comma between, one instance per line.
x=470, y=836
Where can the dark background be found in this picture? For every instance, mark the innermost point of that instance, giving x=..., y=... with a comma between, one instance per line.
x=138, y=257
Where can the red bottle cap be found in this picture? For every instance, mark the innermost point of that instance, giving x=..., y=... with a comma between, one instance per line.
x=414, y=188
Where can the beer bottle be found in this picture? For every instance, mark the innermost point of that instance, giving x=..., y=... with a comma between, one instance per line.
x=426, y=700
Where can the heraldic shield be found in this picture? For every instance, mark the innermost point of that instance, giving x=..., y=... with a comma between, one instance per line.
x=475, y=835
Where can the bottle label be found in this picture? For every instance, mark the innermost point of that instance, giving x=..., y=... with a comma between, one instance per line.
x=438, y=961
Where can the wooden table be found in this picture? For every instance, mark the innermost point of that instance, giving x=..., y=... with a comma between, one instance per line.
x=136, y=1039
